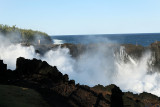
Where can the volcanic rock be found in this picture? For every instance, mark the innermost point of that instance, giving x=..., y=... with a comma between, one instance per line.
x=58, y=91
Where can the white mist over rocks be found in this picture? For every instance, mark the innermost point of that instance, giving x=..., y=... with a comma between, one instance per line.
x=98, y=65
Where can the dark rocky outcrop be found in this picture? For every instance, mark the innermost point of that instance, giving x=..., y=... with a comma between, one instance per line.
x=116, y=97
x=5, y=75
x=55, y=87
x=134, y=51
x=126, y=99
x=58, y=91
x=74, y=49
x=77, y=49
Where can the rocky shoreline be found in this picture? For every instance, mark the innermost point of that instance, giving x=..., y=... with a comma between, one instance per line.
x=135, y=51
x=58, y=91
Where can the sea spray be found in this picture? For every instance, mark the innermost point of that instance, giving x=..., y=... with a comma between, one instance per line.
x=98, y=65
x=131, y=75
x=101, y=66
x=10, y=53
x=61, y=58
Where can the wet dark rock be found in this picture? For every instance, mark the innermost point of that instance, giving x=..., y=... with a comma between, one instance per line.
x=39, y=71
x=126, y=99
x=58, y=91
x=3, y=67
x=5, y=75
x=72, y=82
x=134, y=50
x=55, y=87
x=116, y=97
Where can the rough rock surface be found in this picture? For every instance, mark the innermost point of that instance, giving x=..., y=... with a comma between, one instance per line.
x=135, y=51
x=55, y=87
x=126, y=99
x=77, y=49
x=58, y=91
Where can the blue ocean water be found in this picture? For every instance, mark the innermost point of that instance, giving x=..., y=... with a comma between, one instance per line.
x=143, y=39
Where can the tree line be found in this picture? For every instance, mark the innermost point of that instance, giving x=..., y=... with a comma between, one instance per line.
x=24, y=35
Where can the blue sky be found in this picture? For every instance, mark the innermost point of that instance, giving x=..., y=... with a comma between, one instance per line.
x=63, y=17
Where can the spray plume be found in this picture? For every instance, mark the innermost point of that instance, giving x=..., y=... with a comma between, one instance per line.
x=98, y=65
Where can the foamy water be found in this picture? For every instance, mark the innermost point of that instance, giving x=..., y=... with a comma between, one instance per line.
x=57, y=41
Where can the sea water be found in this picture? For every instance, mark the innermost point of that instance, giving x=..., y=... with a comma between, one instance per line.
x=143, y=39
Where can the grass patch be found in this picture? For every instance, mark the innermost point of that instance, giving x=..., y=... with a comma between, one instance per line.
x=13, y=96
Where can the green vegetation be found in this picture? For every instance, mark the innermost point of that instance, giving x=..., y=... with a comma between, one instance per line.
x=13, y=96
x=24, y=35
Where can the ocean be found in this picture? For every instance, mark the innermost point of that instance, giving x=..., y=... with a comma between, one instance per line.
x=143, y=39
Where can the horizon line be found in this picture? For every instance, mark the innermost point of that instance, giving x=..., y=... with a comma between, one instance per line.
x=103, y=34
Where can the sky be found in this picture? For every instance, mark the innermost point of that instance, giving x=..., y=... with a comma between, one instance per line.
x=73, y=17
